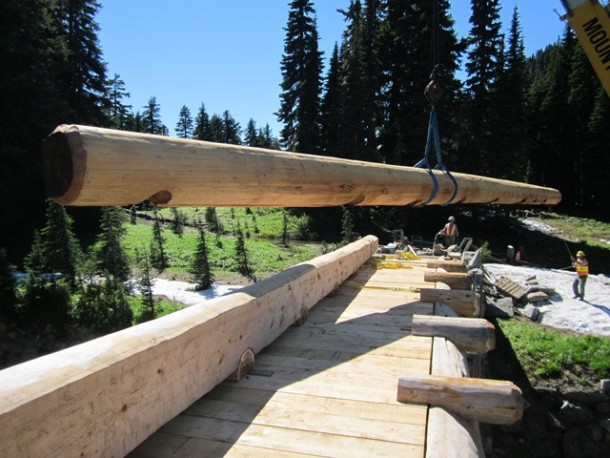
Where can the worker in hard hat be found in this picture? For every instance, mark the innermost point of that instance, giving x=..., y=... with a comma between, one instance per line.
x=582, y=273
x=450, y=232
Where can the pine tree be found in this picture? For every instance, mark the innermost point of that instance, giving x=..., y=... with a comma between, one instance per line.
x=184, y=126
x=145, y=287
x=484, y=67
x=178, y=222
x=200, y=268
x=231, y=129
x=8, y=290
x=31, y=50
x=301, y=80
x=251, y=137
x=241, y=255
x=55, y=248
x=118, y=112
x=347, y=226
x=332, y=110
x=158, y=257
x=552, y=123
x=103, y=306
x=285, y=236
x=217, y=129
x=202, y=130
x=355, y=100
x=46, y=302
x=414, y=37
x=111, y=257
x=84, y=75
x=151, y=118
x=595, y=188
x=510, y=122
x=266, y=139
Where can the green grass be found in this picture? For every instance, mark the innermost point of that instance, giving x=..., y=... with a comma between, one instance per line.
x=589, y=231
x=547, y=353
x=266, y=255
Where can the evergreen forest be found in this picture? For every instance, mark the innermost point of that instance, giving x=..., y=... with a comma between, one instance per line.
x=541, y=119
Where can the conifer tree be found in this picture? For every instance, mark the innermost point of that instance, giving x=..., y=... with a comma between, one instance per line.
x=31, y=50
x=241, y=255
x=285, y=237
x=231, y=129
x=84, y=74
x=184, y=126
x=178, y=222
x=202, y=130
x=118, y=111
x=8, y=290
x=414, y=36
x=151, y=118
x=103, y=306
x=301, y=80
x=111, y=257
x=332, y=110
x=596, y=162
x=158, y=257
x=266, y=139
x=484, y=66
x=509, y=122
x=552, y=154
x=347, y=226
x=200, y=268
x=56, y=249
x=145, y=285
x=251, y=137
x=217, y=129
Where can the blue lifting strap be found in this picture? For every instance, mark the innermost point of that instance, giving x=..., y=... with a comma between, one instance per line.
x=434, y=139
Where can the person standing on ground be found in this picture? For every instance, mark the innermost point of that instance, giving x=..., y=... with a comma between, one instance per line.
x=582, y=273
x=450, y=232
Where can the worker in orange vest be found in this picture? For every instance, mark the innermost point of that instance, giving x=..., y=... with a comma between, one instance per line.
x=450, y=232
x=582, y=273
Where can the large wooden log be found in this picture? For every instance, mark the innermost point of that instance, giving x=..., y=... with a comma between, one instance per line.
x=448, y=265
x=487, y=401
x=476, y=335
x=105, y=396
x=94, y=166
x=455, y=280
x=464, y=302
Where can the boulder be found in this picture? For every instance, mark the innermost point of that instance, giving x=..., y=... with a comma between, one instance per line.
x=499, y=307
x=529, y=311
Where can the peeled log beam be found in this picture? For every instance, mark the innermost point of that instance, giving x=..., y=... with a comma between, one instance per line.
x=468, y=334
x=448, y=265
x=488, y=401
x=455, y=280
x=464, y=303
x=93, y=166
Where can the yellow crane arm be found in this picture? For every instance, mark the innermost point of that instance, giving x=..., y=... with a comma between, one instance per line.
x=591, y=23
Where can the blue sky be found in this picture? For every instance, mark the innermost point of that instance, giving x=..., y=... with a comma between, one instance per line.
x=227, y=53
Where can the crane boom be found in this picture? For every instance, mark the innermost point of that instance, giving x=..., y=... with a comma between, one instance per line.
x=591, y=23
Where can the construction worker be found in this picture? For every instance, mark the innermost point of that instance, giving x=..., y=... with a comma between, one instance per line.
x=450, y=232
x=582, y=272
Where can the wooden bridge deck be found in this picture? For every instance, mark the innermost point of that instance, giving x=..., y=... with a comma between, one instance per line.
x=326, y=388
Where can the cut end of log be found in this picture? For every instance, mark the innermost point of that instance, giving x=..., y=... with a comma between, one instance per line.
x=64, y=163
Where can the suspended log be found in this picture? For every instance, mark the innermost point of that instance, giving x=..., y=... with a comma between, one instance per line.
x=93, y=166
x=468, y=334
x=487, y=401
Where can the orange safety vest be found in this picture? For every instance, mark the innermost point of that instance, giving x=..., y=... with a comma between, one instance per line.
x=450, y=229
x=582, y=269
